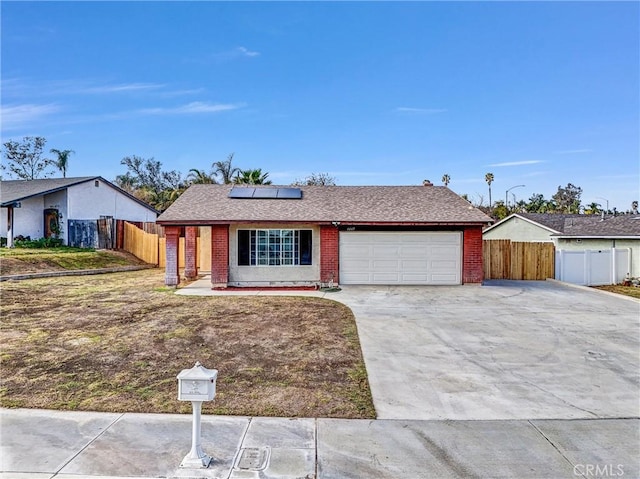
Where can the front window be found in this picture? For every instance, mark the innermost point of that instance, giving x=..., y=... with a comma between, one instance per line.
x=274, y=247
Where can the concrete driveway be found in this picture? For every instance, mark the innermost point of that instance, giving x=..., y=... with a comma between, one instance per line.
x=505, y=350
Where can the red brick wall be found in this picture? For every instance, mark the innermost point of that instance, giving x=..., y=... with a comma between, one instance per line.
x=472, y=255
x=219, y=256
x=329, y=254
x=172, y=273
x=191, y=252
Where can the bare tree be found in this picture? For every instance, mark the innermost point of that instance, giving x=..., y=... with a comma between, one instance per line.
x=318, y=179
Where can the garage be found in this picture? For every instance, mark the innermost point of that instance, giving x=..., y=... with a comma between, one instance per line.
x=409, y=258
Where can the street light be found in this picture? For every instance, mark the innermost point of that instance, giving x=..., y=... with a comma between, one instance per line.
x=506, y=194
x=601, y=198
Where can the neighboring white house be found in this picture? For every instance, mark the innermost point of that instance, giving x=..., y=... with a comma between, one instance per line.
x=49, y=207
x=590, y=249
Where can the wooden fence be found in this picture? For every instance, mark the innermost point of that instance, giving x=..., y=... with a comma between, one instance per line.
x=151, y=247
x=140, y=244
x=505, y=259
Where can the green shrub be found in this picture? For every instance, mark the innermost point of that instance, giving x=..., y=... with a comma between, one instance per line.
x=26, y=242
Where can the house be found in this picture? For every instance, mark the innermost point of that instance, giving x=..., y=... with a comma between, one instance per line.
x=528, y=227
x=310, y=235
x=65, y=207
x=590, y=249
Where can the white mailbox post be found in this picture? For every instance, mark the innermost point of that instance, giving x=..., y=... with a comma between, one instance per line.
x=196, y=385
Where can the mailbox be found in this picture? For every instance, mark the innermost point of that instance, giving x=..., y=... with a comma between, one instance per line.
x=197, y=383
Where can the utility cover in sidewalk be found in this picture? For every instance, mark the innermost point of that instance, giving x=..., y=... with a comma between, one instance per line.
x=253, y=459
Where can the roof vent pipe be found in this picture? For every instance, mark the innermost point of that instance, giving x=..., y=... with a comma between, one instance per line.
x=602, y=215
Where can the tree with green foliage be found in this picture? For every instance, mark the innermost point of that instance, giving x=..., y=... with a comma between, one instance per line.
x=592, y=208
x=446, y=179
x=538, y=204
x=148, y=182
x=225, y=170
x=519, y=207
x=500, y=210
x=567, y=199
x=200, y=177
x=251, y=177
x=62, y=160
x=24, y=159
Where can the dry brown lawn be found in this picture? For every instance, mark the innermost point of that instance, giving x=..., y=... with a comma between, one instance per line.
x=115, y=342
x=632, y=291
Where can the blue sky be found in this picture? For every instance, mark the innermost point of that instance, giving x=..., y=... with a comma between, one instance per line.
x=539, y=94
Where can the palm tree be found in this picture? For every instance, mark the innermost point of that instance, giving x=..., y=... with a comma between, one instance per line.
x=225, y=170
x=520, y=206
x=446, y=179
x=592, y=208
x=489, y=179
x=200, y=177
x=251, y=177
x=62, y=162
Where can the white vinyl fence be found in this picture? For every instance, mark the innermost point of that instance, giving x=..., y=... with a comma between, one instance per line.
x=593, y=267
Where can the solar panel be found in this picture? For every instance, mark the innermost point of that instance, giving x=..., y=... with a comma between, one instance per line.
x=244, y=192
x=265, y=193
x=241, y=192
x=290, y=193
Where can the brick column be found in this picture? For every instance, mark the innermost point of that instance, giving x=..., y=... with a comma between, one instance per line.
x=191, y=252
x=219, y=256
x=472, y=271
x=172, y=273
x=329, y=254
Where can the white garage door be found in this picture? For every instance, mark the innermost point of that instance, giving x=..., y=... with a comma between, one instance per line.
x=400, y=257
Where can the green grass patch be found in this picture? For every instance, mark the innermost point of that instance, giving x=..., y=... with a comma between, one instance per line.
x=27, y=260
x=25, y=252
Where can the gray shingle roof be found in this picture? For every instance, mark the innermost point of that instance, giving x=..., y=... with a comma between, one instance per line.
x=16, y=190
x=596, y=226
x=201, y=204
x=555, y=221
x=586, y=226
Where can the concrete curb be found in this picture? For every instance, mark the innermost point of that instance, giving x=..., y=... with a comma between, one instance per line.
x=79, y=272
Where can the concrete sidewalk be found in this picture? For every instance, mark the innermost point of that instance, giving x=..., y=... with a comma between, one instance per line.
x=43, y=444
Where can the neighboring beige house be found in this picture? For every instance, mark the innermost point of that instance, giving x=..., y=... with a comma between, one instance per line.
x=590, y=249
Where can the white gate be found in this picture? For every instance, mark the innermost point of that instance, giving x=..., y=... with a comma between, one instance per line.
x=593, y=267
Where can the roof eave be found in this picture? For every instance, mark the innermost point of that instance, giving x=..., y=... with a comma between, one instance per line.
x=565, y=236
x=523, y=218
x=47, y=192
x=319, y=222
